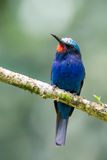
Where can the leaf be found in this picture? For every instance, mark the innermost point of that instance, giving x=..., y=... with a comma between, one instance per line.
x=98, y=98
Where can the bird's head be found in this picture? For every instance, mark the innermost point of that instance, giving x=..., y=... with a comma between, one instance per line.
x=66, y=45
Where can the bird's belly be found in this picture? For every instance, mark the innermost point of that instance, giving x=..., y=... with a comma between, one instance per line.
x=67, y=77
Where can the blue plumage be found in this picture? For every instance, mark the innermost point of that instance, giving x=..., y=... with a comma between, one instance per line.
x=67, y=73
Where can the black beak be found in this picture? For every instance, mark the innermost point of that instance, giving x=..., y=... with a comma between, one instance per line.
x=58, y=39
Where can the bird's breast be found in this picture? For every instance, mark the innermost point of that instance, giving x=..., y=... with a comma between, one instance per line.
x=68, y=74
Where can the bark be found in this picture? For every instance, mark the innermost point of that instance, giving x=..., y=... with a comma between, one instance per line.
x=98, y=110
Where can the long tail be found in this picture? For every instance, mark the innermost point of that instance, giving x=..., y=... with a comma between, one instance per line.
x=61, y=129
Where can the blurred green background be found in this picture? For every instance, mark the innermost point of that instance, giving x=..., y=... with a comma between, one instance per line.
x=27, y=122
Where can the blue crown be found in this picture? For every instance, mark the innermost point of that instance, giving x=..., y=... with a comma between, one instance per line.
x=70, y=41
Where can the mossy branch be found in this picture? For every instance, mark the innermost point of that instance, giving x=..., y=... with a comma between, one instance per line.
x=45, y=90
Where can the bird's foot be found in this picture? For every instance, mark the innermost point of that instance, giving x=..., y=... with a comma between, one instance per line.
x=75, y=94
x=54, y=86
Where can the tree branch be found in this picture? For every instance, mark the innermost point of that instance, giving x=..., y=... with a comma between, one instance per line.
x=47, y=91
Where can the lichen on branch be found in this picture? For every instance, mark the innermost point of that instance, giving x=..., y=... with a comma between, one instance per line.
x=98, y=110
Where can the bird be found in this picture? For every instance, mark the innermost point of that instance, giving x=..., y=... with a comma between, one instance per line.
x=67, y=73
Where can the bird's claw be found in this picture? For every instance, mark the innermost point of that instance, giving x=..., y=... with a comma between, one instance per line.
x=54, y=86
x=75, y=94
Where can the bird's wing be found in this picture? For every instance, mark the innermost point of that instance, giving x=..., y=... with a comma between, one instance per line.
x=55, y=104
x=80, y=87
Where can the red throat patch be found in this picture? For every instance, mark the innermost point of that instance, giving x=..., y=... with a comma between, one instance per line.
x=60, y=48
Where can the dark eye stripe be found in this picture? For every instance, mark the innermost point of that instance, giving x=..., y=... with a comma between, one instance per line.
x=69, y=46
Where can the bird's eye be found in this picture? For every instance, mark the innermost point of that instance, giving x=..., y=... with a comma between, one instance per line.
x=69, y=46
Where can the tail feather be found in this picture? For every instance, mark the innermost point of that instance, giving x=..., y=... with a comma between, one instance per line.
x=61, y=129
